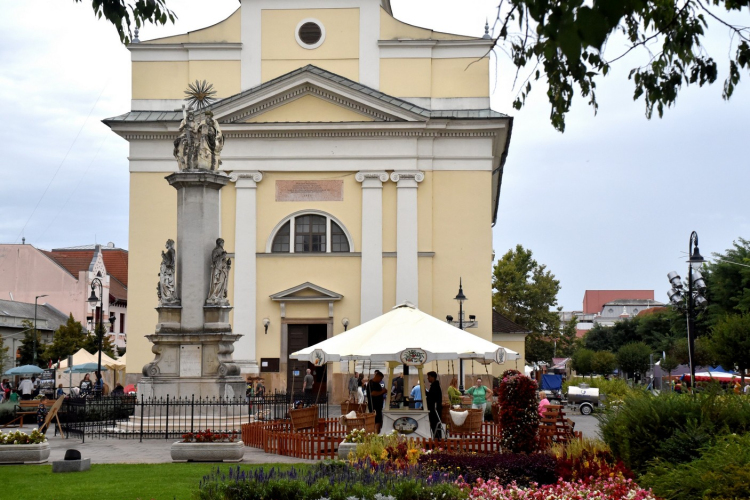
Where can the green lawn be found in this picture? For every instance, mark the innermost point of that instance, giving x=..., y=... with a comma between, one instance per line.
x=105, y=482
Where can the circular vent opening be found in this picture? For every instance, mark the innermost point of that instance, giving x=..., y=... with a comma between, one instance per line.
x=310, y=33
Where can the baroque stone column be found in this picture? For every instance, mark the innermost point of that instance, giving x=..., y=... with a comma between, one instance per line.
x=245, y=281
x=371, y=295
x=407, y=263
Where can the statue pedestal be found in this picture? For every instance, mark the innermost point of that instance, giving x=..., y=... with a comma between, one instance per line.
x=193, y=341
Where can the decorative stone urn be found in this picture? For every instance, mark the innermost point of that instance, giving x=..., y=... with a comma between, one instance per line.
x=345, y=449
x=24, y=453
x=208, y=452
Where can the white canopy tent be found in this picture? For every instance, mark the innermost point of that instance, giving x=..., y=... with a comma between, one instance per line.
x=386, y=337
x=117, y=367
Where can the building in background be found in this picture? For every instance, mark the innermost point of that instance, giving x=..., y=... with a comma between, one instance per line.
x=606, y=307
x=12, y=327
x=65, y=275
x=365, y=166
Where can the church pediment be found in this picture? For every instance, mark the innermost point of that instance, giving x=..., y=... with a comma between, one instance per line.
x=311, y=94
x=306, y=292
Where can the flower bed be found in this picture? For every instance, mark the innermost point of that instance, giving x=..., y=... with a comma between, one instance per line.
x=208, y=446
x=519, y=419
x=505, y=468
x=391, y=450
x=19, y=447
x=599, y=489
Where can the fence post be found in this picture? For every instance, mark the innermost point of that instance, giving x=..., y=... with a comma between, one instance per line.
x=142, y=405
x=192, y=413
x=85, y=418
x=166, y=428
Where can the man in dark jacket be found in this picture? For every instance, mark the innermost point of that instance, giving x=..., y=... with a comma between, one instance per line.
x=434, y=404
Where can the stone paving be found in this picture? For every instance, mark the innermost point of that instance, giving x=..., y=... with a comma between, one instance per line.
x=132, y=451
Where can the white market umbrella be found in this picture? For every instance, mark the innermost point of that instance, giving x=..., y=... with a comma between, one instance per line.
x=386, y=337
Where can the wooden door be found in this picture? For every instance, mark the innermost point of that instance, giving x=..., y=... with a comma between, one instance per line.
x=298, y=340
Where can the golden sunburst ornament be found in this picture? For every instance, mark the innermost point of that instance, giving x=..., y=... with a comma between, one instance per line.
x=200, y=95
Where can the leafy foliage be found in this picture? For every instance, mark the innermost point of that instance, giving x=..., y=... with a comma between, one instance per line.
x=519, y=419
x=565, y=42
x=730, y=342
x=67, y=339
x=5, y=361
x=729, y=284
x=634, y=358
x=582, y=361
x=26, y=350
x=603, y=362
x=721, y=471
x=587, y=459
x=526, y=293
x=124, y=13
x=671, y=426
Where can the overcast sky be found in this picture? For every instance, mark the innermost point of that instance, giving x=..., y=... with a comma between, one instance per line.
x=609, y=204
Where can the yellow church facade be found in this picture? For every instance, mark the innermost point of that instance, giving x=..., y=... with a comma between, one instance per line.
x=365, y=167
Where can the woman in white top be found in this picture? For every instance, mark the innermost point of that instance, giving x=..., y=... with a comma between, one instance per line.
x=361, y=393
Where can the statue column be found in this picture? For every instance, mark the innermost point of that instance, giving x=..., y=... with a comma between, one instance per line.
x=245, y=320
x=371, y=286
x=407, y=264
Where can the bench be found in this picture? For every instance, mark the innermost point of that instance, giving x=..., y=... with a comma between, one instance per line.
x=28, y=407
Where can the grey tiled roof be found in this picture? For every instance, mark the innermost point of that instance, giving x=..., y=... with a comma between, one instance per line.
x=54, y=317
x=171, y=116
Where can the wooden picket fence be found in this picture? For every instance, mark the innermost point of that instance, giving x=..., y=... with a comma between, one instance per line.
x=322, y=442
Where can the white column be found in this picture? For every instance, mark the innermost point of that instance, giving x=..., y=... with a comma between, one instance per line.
x=371, y=295
x=407, y=265
x=245, y=320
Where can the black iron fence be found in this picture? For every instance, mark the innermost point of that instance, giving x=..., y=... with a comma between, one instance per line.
x=130, y=417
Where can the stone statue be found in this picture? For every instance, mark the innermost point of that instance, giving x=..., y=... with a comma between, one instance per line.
x=187, y=143
x=166, y=289
x=211, y=143
x=220, y=265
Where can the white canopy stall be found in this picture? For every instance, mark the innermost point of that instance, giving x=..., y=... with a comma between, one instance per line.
x=410, y=337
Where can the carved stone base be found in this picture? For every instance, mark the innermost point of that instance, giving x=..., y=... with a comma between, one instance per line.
x=186, y=387
x=248, y=366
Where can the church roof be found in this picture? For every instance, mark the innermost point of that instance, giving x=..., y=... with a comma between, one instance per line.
x=171, y=116
x=74, y=261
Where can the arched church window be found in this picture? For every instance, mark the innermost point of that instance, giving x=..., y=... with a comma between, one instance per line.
x=310, y=231
x=281, y=241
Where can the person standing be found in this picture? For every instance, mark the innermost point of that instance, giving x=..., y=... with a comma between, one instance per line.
x=260, y=389
x=398, y=388
x=480, y=394
x=434, y=404
x=26, y=388
x=453, y=393
x=307, y=386
x=35, y=383
x=416, y=395
x=375, y=397
x=353, y=383
x=86, y=385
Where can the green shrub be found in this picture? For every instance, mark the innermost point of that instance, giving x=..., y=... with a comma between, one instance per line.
x=722, y=471
x=672, y=427
x=615, y=389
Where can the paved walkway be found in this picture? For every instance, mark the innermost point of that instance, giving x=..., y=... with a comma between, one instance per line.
x=132, y=451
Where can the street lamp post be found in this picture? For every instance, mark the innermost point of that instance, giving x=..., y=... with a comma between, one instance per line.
x=93, y=299
x=694, y=298
x=460, y=298
x=35, y=330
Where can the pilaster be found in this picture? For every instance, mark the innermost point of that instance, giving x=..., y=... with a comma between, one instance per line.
x=371, y=296
x=407, y=265
x=245, y=314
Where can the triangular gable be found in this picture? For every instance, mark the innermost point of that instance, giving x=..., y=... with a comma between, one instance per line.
x=320, y=84
x=306, y=292
x=309, y=108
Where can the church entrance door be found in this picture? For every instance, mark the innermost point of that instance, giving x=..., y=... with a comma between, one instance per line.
x=301, y=336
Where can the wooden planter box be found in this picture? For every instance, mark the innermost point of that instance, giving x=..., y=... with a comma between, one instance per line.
x=208, y=452
x=24, y=453
x=304, y=418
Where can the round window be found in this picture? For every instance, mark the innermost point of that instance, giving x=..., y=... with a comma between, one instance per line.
x=310, y=34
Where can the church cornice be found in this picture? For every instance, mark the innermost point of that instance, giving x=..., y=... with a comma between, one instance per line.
x=296, y=134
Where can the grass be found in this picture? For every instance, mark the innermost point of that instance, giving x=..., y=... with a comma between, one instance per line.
x=106, y=481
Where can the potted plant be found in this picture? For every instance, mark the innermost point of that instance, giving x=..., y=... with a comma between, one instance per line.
x=350, y=442
x=19, y=447
x=208, y=446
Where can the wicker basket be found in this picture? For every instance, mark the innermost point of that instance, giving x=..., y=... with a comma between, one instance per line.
x=473, y=422
x=364, y=421
x=304, y=418
x=347, y=406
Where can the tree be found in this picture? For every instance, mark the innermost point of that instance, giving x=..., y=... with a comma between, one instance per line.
x=730, y=342
x=526, y=293
x=5, y=362
x=582, y=361
x=669, y=363
x=704, y=355
x=728, y=282
x=26, y=350
x=124, y=13
x=568, y=342
x=565, y=42
x=92, y=342
x=67, y=340
x=603, y=362
x=634, y=358
x=661, y=329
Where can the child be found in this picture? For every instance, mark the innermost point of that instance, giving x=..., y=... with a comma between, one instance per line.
x=60, y=392
x=41, y=415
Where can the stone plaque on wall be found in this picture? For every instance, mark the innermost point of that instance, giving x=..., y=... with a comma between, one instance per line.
x=310, y=190
x=190, y=361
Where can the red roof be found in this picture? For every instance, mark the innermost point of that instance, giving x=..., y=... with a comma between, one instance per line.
x=594, y=300
x=115, y=260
